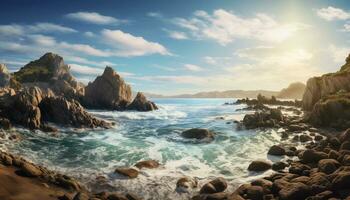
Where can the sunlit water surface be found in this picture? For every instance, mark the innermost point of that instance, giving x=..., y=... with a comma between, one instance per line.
x=137, y=136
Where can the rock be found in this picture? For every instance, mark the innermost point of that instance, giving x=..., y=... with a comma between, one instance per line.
x=255, y=193
x=81, y=196
x=259, y=165
x=318, y=138
x=215, y=196
x=298, y=168
x=30, y=170
x=294, y=191
x=140, y=103
x=150, y=164
x=198, y=133
x=6, y=159
x=341, y=179
x=345, y=136
x=277, y=166
x=68, y=113
x=312, y=156
x=117, y=196
x=305, y=138
x=67, y=182
x=277, y=150
x=214, y=186
x=319, y=87
x=328, y=166
x=186, y=183
x=293, y=91
x=108, y=91
x=333, y=154
x=4, y=76
x=263, y=119
x=50, y=71
x=345, y=145
x=296, y=127
x=5, y=123
x=129, y=172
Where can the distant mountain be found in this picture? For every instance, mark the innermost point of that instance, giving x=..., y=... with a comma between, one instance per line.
x=220, y=94
x=293, y=91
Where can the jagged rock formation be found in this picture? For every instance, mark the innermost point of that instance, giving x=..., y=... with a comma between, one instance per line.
x=50, y=71
x=293, y=91
x=4, y=76
x=61, y=111
x=108, y=91
x=140, y=103
x=31, y=108
x=318, y=87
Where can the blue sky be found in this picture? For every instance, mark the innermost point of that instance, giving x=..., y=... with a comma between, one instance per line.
x=184, y=46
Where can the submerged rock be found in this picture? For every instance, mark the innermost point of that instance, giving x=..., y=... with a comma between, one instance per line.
x=198, y=133
x=140, y=103
x=108, y=91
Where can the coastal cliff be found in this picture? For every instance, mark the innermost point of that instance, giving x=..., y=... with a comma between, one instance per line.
x=319, y=87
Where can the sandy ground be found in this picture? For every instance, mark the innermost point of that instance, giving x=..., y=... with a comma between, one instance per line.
x=15, y=187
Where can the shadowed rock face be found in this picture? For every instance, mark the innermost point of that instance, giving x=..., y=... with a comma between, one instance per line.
x=108, y=91
x=319, y=87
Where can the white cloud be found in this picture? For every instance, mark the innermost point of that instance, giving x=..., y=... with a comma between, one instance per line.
x=49, y=27
x=178, y=35
x=86, y=70
x=339, y=53
x=94, y=18
x=17, y=30
x=331, y=13
x=84, y=48
x=224, y=27
x=194, y=68
x=154, y=14
x=89, y=34
x=347, y=27
x=129, y=45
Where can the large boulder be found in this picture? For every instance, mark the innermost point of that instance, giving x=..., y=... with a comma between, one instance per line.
x=4, y=76
x=319, y=87
x=108, y=91
x=68, y=113
x=50, y=71
x=140, y=103
x=259, y=165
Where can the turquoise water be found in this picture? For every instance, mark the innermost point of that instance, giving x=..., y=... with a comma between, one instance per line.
x=137, y=136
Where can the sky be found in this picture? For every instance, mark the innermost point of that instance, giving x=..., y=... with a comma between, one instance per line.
x=183, y=46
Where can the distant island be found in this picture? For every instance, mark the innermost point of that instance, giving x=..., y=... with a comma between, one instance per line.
x=293, y=91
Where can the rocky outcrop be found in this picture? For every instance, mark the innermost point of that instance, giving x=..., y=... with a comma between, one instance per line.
x=4, y=76
x=140, y=103
x=108, y=91
x=32, y=108
x=263, y=119
x=320, y=87
x=332, y=111
x=50, y=71
x=68, y=113
x=199, y=134
x=293, y=91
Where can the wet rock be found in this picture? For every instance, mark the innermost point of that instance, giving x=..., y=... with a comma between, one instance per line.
x=81, y=196
x=255, y=193
x=129, y=172
x=108, y=91
x=312, y=156
x=30, y=170
x=186, y=183
x=318, y=138
x=297, y=127
x=328, y=166
x=299, y=168
x=69, y=113
x=263, y=119
x=67, y=182
x=259, y=165
x=6, y=159
x=341, y=179
x=305, y=138
x=294, y=191
x=5, y=123
x=140, y=103
x=345, y=145
x=117, y=196
x=198, y=133
x=214, y=186
x=277, y=150
x=333, y=154
x=150, y=164
x=277, y=166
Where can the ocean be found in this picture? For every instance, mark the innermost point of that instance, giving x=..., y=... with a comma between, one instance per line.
x=89, y=155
